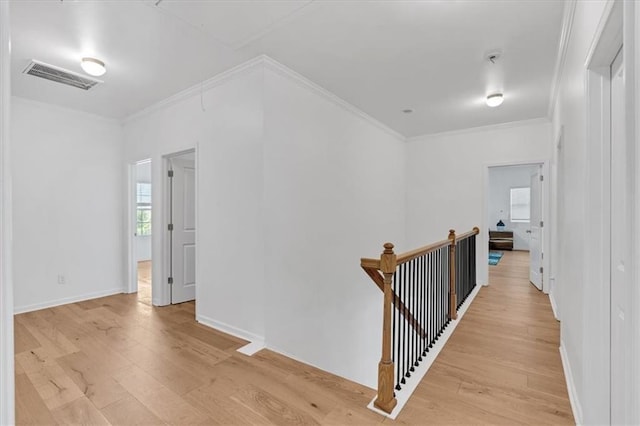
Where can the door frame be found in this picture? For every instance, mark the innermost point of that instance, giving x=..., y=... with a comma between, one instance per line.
x=131, y=224
x=546, y=216
x=165, y=216
x=7, y=378
x=615, y=31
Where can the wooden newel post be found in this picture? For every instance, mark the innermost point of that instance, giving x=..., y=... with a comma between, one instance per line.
x=453, y=312
x=386, y=401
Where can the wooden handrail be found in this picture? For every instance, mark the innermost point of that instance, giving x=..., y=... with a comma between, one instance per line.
x=410, y=255
x=475, y=231
x=381, y=272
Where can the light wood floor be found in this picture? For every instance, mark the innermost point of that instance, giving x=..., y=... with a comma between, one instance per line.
x=118, y=360
x=144, y=282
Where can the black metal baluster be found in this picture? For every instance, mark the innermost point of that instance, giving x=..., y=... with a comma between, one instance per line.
x=447, y=275
x=412, y=298
x=423, y=263
x=407, y=335
x=439, y=295
x=417, y=333
x=403, y=324
x=418, y=308
x=430, y=292
x=394, y=349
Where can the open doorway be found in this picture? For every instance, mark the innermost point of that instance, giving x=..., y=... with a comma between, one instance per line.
x=143, y=231
x=514, y=217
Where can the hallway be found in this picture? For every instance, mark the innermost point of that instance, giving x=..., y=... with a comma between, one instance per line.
x=502, y=364
x=117, y=360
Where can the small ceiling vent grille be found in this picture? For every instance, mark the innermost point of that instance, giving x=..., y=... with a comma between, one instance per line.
x=60, y=75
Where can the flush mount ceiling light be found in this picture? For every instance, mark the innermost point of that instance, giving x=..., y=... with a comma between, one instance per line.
x=93, y=66
x=495, y=100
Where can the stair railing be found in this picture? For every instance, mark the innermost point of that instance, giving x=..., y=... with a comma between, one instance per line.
x=423, y=285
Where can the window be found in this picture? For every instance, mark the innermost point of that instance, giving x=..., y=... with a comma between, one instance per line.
x=143, y=213
x=520, y=204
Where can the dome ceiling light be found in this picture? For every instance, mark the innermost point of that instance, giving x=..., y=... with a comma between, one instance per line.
x=93, y=66
x=495, y=100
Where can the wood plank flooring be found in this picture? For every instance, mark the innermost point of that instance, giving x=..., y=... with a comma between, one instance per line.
x=118, y=360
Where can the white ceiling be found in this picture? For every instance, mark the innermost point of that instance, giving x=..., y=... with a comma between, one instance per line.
x=381, y=56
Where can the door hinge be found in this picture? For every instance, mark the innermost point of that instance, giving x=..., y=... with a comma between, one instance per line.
x=541, y=224
x=541, y=269
x=541, y=178
x=170, y=227
x=170, y=173
x=542, y=256
x=170, y=280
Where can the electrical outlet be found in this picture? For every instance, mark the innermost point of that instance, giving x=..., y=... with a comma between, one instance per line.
x=61, y=279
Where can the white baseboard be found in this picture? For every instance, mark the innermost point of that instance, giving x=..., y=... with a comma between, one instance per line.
x=554, y=306
x=571, y=387
x=403, y=395
x=66, y=300
x=256, y=341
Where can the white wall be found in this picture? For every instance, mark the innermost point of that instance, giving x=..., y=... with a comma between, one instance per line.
x=143, y=242
x=447, y=178
x=334, y=191
x=584, y=292
x=7, y=388
x=225, y=125
x=293, y=188
x=501, y=180
x=67, y=204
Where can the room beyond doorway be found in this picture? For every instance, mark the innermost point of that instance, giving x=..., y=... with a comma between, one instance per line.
x=514, y=214
x=140, y=236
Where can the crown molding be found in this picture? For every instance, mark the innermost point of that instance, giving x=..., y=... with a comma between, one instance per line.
x=489, y=128
x=303, y=81
x=565, y=35
x=273, y=65
x=198, y=88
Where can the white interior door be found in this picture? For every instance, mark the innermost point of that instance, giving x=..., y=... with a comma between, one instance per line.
x=183, y=235
x=620, y=244
x=535, y=242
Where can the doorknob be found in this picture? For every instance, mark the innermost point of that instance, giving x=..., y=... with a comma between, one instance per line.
x=528, y=231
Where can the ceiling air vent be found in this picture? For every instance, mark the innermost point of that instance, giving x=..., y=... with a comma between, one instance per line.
x=60, y=75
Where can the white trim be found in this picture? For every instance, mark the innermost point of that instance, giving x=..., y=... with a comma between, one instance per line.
x=405, y=393
x=67, y=300
x=571, y=387
x=600, y=44
x=232, y=330
x=198, y=88
x=269, y=63
x=488, y=128
x=7, y=388
x=321, y=91
x=565, y=36
x=131, y=264
x=554, y=306
x=251, y=348
x=546, y=216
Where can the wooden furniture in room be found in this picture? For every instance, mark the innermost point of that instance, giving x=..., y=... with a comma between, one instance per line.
x=500, y=240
